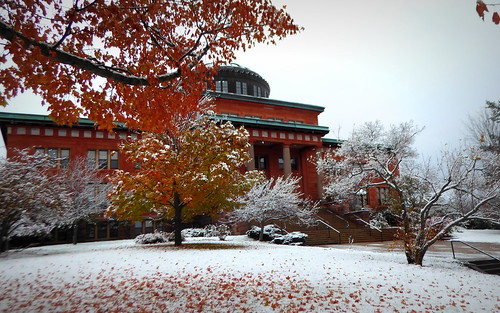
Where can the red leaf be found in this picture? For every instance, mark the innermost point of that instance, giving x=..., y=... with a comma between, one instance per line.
x=481, y=8
x=496, y=18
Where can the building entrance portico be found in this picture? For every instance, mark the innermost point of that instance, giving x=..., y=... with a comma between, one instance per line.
x=277, y=158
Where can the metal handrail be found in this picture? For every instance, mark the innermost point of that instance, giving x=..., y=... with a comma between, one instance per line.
x=338, y=216
x=328, y=225
x=370, y=225
x=470, y=246
x=332, y=228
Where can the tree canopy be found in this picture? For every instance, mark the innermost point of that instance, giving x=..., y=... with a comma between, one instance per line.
x=32, y=199
x=135, y=62
x=190, y=171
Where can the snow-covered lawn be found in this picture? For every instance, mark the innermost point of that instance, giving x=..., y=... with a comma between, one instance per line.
x=237, y=275
x=477, y=235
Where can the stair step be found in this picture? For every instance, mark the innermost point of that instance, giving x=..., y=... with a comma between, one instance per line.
x=485, y=266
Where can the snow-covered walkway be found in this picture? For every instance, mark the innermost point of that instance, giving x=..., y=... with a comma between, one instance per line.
x=238, y=275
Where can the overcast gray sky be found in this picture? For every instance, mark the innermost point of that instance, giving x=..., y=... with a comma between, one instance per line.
x=433, y=62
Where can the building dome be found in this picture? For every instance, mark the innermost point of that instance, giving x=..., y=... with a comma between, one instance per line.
x=240, y=80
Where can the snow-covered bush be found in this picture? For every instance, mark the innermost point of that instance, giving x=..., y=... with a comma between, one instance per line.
x=379, y=220
x=270, y=231
x=293, y=238
x=277, y=199
x=194, y=232
x=156, y=237
x=221, y=231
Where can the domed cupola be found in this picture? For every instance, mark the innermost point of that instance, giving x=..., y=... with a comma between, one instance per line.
x=240, y=80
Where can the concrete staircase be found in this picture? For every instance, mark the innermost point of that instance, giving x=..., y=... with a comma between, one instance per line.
x=335, y=229
x=491, y=266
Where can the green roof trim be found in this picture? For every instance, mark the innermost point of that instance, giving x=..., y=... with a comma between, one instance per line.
x=246, y=98
x=259, y=123
x=45, y=119
x=22, y=118
x=331, y=141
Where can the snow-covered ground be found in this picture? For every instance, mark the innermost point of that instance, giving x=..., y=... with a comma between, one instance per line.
x=236, y=275
x=477, y=235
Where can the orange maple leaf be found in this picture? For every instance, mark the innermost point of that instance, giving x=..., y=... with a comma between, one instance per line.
x=481, y=8
x=496, y=18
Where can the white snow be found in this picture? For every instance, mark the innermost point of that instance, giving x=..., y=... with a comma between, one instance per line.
x=477, y=235
x=236, y=275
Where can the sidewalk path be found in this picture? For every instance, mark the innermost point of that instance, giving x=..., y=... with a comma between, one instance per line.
x=441, y=249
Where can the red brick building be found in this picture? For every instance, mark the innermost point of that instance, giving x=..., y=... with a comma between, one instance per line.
x=284, y=136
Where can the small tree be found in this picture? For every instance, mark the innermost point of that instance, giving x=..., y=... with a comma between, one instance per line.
x=191, y=170
x=425, y=197
x=31, y=198
x=274, y=200
x=88, y=194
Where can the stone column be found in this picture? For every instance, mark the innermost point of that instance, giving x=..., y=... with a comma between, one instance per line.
x=251, y=163
x=287, y=163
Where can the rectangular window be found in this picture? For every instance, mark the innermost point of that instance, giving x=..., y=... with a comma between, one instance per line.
x=58, y=157
x=102, y=230
x=148, y=226
x=64, y=158
x=137, y=228
x=293, y=162
x=260, y=162
x=383, y=195
x=113, y=229
x=113, y=160
x=225, y=86
x=102, y=159
x=39, y=151
x=91, y=160
x=244, y=88
x=238, y=87
x=91, y=231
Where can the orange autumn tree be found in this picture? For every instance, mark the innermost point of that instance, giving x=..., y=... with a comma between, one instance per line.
x=191, y=170
x=135, y=62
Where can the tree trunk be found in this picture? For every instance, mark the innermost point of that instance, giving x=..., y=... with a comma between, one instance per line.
x=4, y=244
x=415, y=251
x=177, y=220
x=416, y=256
x=261, y=234
x=75, y=232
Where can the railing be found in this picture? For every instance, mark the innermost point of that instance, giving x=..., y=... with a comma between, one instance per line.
x=329, y=226
x=470, y=246
x=339, y=217
x=372, y=227
x=369, y=225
